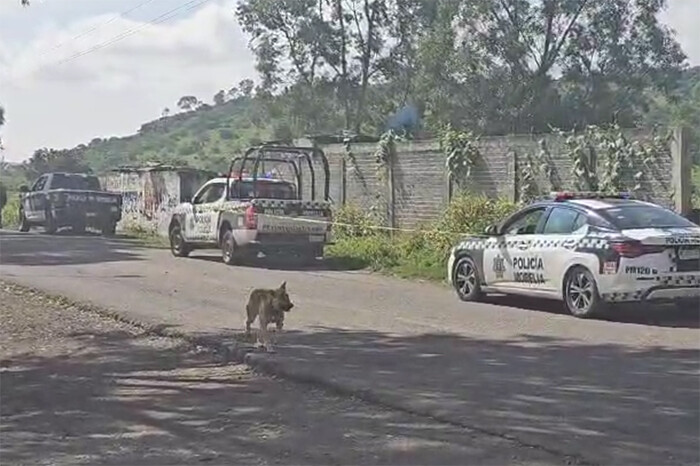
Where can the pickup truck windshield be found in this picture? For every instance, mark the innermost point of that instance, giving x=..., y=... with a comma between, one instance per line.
x=71, y=181
x=266, y=190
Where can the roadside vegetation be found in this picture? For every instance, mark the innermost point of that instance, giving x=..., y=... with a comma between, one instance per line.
x=10, y=213
x=421, y=254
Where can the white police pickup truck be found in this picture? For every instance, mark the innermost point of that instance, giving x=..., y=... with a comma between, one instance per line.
x=245, y=214
x=586, y=249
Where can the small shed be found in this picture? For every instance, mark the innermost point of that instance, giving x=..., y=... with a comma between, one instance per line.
x=150, y=192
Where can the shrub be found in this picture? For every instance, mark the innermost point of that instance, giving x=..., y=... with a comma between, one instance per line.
x=468, y=214
x=418, y=254
x=10, y=213
x=353, y=222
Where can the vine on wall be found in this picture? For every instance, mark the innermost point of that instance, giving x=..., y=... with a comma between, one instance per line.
x=384, y=156
x=537, y=166
x=350, y=159
x=603, y=158
x=461, y=149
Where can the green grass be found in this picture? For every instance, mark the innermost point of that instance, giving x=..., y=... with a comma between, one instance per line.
x=395, y=255
x=145, y=238
x=420, y=254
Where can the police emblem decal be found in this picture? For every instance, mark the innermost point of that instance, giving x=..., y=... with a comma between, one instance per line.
x=499, y=266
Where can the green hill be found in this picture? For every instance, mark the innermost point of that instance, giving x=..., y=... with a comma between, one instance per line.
x=203, y=138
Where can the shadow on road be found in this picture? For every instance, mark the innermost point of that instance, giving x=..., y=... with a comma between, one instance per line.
x=290, y=264
x=119, y=401
x=608, y=403
x=64, y=249
x=653, y=315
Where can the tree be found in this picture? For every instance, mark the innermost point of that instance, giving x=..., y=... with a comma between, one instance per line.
x=166, y=112
x=245, y=88
x=189, y=102
x=303, y=44
x=605, y=51
x=219, y=98
x=51, y=160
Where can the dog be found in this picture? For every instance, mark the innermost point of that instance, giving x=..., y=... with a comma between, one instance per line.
x=269, y=306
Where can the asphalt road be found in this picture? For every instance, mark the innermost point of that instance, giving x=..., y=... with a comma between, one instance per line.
x=83, y=389
x=620, y=391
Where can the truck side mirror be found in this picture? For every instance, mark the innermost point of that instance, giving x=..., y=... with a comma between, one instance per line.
x=24, y=189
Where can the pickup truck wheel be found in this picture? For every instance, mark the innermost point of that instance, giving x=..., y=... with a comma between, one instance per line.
x=229, y=251
x=50, y=224
x=24, y=225
x=178, y=246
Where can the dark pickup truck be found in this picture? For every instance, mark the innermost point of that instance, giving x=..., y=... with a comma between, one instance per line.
x=74, y=200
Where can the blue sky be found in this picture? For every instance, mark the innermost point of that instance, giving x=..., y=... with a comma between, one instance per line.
x=112, y=90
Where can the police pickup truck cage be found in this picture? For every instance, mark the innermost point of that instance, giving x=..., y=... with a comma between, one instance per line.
x=294, y=156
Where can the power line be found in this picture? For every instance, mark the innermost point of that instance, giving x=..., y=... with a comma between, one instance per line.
x=98, y=26
x=190, y=5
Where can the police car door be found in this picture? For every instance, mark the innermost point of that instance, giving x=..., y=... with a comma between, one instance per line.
x=562, y=230
x=202, y=221
x=522, y=267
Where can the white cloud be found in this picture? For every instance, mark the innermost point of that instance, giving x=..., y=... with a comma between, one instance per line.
x=113, y=90
x=54, y=98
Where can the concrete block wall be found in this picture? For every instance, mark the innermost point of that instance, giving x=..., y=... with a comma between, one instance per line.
x=420, y=181
x=149, y=196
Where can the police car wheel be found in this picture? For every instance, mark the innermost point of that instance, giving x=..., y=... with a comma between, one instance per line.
x=466, y=280
x=581, y=298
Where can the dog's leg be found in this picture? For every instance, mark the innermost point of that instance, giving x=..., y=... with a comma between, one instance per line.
x=250, y=317
x=265, y=336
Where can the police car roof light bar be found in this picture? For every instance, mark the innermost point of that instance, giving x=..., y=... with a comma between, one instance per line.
x=568, y=195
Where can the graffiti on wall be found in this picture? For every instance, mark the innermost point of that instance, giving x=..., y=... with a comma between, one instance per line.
x=131, y=202
x=150, y=195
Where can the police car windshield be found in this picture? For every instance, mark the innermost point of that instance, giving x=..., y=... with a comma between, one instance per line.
x=632, y=217
x=74, y=181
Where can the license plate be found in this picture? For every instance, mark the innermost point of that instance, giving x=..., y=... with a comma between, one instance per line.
x=688, y=254
x=90, y=214
x=317, y=238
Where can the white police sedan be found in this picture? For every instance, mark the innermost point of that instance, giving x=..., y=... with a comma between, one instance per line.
x=586, y=249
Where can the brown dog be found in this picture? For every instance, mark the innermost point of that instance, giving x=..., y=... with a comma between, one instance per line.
x=269, y=307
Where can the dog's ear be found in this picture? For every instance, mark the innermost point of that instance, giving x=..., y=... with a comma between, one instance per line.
x=283, y=286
